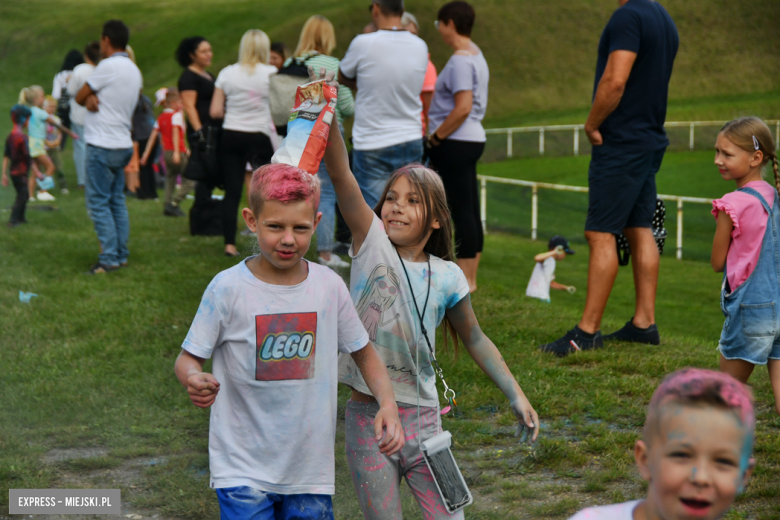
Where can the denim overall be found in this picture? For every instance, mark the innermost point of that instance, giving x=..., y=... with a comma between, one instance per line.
x=752, y=330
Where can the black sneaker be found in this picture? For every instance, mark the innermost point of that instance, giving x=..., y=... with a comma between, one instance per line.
x=173, y=211
x=633, y=334
x=573, y=341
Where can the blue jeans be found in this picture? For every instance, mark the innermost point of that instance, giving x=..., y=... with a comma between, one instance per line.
x=373, y=167
x=327, y=226
x=79, y=150
x=245, y=503
x=106, y=201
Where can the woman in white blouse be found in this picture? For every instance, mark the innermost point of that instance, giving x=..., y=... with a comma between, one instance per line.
x=241, y=98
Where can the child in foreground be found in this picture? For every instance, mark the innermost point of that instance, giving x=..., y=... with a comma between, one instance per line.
x=275, y=324
x=405, y=283
x=543, y=277
x=17, y=161
x=695, y=450
x=745, y=247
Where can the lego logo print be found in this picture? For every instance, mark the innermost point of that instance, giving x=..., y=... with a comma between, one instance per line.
x=287, y=346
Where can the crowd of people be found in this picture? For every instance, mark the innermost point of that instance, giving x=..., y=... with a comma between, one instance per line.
x=283, y=332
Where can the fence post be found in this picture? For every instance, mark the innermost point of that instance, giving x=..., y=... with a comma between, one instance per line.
x=576, y=141
x=679, y=228
x=483, y=204
x=509, y=143
x=691, y=143
x=541, y=141
x=534, y=210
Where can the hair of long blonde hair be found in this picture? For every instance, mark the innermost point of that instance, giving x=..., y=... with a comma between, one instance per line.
x=429, y=186
x=742, y=131
x=254, y=48
x=130, y=52
x=28, y=95
x=317, y=35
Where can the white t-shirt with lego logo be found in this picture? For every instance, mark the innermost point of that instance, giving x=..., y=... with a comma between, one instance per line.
x=623, y=511
x=275, y=354
x=543, y=275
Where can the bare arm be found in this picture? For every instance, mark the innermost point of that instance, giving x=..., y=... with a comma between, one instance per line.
x=61, y=128
x=350, y=82
x=541, y=257
x=201, y=386
x=188, y=99
x=356, y=212
x=609, y=92
x=463, y=102
x=83, y=94
x=558, y=286
x=375, y=375
x=149, y=146
x=426, y=101
x=217, y=109
x=721, y=242
x=489, y=360
x=5, y=169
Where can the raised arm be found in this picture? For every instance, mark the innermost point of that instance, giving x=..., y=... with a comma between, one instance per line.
x=490, y=361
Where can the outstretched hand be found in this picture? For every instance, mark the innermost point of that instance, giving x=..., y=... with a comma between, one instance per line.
x=203, y=388
x=322, y=74
x=527, y=419
x=388, y=431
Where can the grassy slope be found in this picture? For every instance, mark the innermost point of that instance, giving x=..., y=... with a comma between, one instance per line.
x=542, y=54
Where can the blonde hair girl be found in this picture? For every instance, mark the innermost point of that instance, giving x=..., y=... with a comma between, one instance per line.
x=33, y=97
x=254, y=49
x=745, y=244
x=317, y=35
x=408, y=233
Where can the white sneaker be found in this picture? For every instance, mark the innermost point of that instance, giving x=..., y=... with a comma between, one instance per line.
x=334, y=263
x=64, y=191
x=48, y=197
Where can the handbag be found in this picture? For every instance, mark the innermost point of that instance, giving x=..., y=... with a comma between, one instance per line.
x=436, y=450
x=203, y=164
x=282, y=88
x=659, y=233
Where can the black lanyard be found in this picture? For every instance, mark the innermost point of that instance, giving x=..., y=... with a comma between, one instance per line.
x=449, y=394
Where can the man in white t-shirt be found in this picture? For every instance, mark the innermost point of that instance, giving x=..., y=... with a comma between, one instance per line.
x=543, y=276
x=110, y=95
x=77, y=112
x=387, y=67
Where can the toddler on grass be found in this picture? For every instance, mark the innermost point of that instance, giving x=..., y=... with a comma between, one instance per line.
x=543, y=276
x=694, y=452
x=275, y=324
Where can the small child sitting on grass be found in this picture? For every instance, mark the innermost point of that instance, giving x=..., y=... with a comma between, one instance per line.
x=543, y=277
x=695, y=450
x=275, y=324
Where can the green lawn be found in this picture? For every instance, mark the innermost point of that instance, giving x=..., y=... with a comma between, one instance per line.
x=88, y=364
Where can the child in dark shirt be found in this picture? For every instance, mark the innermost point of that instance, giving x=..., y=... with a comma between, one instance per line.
x=17, y=156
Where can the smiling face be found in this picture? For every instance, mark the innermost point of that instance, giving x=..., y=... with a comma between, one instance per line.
x=695, y=463
x=735, y=163
x=202, y=55
x=403, y=214
x=284, y=231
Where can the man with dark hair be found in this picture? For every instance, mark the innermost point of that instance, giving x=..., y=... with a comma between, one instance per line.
x=387, y=67
x=110, y=95
x=77, y=112
x=626, y=128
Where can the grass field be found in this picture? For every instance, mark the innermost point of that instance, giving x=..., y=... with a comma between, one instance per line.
x=90, y=398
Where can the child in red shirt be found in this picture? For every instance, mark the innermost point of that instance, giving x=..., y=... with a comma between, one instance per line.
x=170, y=126
x=17, y=156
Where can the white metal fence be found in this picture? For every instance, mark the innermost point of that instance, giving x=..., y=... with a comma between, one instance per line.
x=576, y=129
x=535, y=186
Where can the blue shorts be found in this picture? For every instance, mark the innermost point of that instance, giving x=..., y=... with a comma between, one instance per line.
x=621, y=188
x=245, y=503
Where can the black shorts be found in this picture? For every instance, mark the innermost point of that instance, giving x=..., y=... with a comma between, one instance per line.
x=622, y=189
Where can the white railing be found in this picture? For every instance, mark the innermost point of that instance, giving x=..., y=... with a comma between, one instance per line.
x=575, y=129
x=484, y=179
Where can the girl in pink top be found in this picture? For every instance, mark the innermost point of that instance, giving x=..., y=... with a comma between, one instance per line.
x=747, y=247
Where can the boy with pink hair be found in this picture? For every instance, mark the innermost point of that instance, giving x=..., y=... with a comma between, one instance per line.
x=274, y=325
x=695, y=451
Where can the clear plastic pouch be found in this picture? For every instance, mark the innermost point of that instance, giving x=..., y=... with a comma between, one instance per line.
x=449, y=480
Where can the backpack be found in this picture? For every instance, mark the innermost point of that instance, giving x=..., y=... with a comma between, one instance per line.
x=283, y=86
x=659, y=233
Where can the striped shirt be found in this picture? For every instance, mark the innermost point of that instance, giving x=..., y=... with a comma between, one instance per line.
x=346, y=102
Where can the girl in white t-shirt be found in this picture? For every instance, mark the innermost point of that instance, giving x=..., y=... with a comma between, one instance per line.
x=404, y=284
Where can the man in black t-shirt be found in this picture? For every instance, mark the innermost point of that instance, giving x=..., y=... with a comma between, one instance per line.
x=626, y=128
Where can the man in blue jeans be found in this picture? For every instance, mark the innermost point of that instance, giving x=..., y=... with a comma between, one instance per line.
x=387, y=67
x=110, y=96
x=626, y=128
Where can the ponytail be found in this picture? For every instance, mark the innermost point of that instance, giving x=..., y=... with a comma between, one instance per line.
x=28, y=94
x=777, y=175
x=23, y=96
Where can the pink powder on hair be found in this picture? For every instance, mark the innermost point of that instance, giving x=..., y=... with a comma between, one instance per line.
x=689, y=384
x=284, y=183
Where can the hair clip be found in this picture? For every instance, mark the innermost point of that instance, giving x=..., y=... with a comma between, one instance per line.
x=755, y=143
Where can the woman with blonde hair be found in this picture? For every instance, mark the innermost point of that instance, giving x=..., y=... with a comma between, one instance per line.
x=241, y=98
x=317, y=41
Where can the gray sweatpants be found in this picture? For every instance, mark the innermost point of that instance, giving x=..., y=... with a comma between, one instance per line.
x=377, y=477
